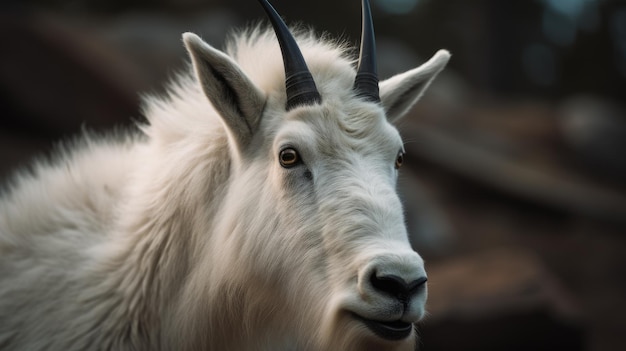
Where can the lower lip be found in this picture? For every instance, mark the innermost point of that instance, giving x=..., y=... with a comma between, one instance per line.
x=397, y=330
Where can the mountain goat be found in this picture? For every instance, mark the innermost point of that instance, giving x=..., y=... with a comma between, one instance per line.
x=255, y=210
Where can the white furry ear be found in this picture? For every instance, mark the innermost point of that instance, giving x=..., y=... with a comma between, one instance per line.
x=399, y=93
x=237, y=99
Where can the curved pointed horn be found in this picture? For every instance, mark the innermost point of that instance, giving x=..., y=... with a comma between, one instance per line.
x=300, y=86
x=366, y=81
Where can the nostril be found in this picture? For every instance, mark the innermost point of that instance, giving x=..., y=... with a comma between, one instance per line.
x=391, y=284
x=416, y=284
x=396, y=286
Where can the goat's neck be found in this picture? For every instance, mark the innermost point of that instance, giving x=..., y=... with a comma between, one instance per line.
x=160, y=234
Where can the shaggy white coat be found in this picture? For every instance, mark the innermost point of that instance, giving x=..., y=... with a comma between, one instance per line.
x=187, y=234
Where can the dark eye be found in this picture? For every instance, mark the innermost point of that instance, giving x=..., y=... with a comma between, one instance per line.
x=399, y=159
x=288, y=157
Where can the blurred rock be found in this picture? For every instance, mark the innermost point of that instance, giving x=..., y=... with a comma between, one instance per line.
x=503, y=165
x=430, y=230
x=595, y=129
x=499, y=300
x=153, y=41
x=55, y=77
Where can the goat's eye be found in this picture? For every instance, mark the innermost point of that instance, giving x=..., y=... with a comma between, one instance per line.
x=399, y=159
x=288, y=157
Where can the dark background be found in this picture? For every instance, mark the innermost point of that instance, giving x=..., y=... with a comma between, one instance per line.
x=515, y=180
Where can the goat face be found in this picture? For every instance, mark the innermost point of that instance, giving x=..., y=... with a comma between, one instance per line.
x=342, y=185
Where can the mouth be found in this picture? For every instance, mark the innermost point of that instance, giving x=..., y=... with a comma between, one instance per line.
x=396, y=330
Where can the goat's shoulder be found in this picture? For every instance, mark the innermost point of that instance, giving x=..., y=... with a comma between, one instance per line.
x=69, y=193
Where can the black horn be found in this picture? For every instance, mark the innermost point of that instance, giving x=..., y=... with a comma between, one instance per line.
x=366, y=81
x=300, y=86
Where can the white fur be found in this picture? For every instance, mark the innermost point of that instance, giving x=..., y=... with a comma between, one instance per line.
x=189, y=235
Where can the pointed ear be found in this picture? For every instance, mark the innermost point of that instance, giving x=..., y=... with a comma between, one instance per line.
x=236, y=98
x=399, y=93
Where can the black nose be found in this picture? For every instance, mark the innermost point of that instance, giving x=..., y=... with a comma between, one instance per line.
x=397, y=286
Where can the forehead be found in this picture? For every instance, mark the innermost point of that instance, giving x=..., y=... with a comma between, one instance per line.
x=358, y=127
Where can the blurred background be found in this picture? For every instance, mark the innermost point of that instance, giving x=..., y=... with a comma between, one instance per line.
x=515, y=187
